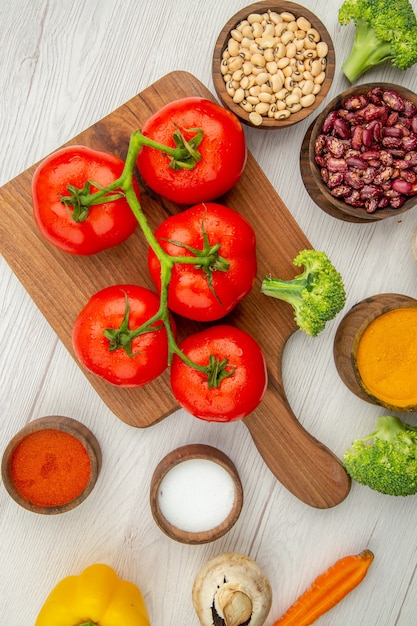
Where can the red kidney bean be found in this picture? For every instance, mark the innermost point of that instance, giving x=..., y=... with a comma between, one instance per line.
x=392, y=131
x=369, y=175
x=336, y=165
x=324, y=173
x=397, y=201
x=409, y=175
x=371, y=205
x=354, y=199
x=372, y=112
x=356, y=162
x=391, y=142
x=410, y=108
x=371, y=191
x=367, y=150
x=320, y=160
x=329, y=122
x=353, y=179
x=319, y=144
x=393, y=100
x=383, y=175
x=335, y=146
x=383, y=202
x=341, y=128
x=367, y=137
x=385, y=157
x=357, y=135
x=411, y=157
x=392, y=119
x=401, y=185
x=375, y=95
x=341, y=191
x=355, y=102
x=409, y=143
x=375, y=127
x=335, y=179
x=396, y=153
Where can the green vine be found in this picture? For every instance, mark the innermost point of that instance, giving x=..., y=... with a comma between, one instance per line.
x=208, y=259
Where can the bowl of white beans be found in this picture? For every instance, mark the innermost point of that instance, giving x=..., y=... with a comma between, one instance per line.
x=358, y=159
x=273, y=64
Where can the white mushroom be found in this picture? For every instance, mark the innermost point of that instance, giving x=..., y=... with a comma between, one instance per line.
x=231, y=590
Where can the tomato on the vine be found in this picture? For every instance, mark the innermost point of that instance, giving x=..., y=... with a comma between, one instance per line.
x=102, y=336
x=239, y=393
x=206, y=293
x=223, y=151
x=67, y=224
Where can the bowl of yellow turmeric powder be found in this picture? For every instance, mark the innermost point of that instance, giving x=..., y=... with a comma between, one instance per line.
x=375, y=351
x=51, y=465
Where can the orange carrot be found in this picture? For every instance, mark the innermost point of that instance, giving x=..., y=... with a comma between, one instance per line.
x=327, y=590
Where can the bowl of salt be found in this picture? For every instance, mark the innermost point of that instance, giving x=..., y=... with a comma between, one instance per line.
x=195, y=494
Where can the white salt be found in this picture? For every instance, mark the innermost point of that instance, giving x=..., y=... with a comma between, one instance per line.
x=196, y=495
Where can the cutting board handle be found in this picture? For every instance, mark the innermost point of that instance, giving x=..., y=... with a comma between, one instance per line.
x=301, y=463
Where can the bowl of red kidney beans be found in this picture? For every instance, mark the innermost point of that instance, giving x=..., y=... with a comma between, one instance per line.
x=358, y=159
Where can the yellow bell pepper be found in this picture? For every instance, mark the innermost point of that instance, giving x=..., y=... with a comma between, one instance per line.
x=97, y=597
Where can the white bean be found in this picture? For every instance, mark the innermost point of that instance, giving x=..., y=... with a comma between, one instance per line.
x=255, y=118
x=322, y=49
x=239, y=95
x=308, y=100
x=262, y=108
x=282, y=115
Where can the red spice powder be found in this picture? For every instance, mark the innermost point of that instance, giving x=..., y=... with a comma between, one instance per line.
x=50, y=467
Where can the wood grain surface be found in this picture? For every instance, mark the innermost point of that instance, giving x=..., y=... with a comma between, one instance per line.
x=60, y=285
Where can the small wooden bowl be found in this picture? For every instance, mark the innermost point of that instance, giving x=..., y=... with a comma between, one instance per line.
x=310, y=171
x=297, y=10
x=173, y=460
x=60, y=423
x=349, y=334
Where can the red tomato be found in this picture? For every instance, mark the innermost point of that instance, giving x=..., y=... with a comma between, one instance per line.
x=106, y=225
x=106, y=309
x=189, y=292
x=237, y=395
x=223, y=151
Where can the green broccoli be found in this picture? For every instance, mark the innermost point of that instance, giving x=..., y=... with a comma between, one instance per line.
x=385, y=460
x=385, y=30
x=316, y=295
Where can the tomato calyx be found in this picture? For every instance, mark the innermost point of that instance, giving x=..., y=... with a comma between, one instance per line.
x=79, y=201
x=122, y=337
x=207, y=258
x=216, y=371
x=187, y=155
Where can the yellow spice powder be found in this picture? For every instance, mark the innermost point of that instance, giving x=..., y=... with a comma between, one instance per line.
x=387, y=357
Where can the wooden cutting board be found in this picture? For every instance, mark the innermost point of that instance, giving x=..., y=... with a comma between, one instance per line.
x=61, y=284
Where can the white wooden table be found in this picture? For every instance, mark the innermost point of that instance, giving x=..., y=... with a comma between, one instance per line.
x=64, y=66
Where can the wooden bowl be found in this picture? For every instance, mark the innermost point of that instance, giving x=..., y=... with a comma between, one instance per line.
x=349, y=334
x=310, y=171
x=270, y=123
x=187, y=507
x=56, y=423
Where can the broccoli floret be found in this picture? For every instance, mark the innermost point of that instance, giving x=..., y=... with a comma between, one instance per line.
x=385, y=460
x=316, y=295
x=385, y=30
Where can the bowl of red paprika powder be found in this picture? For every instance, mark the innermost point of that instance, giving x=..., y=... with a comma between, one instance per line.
x=51, y=465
